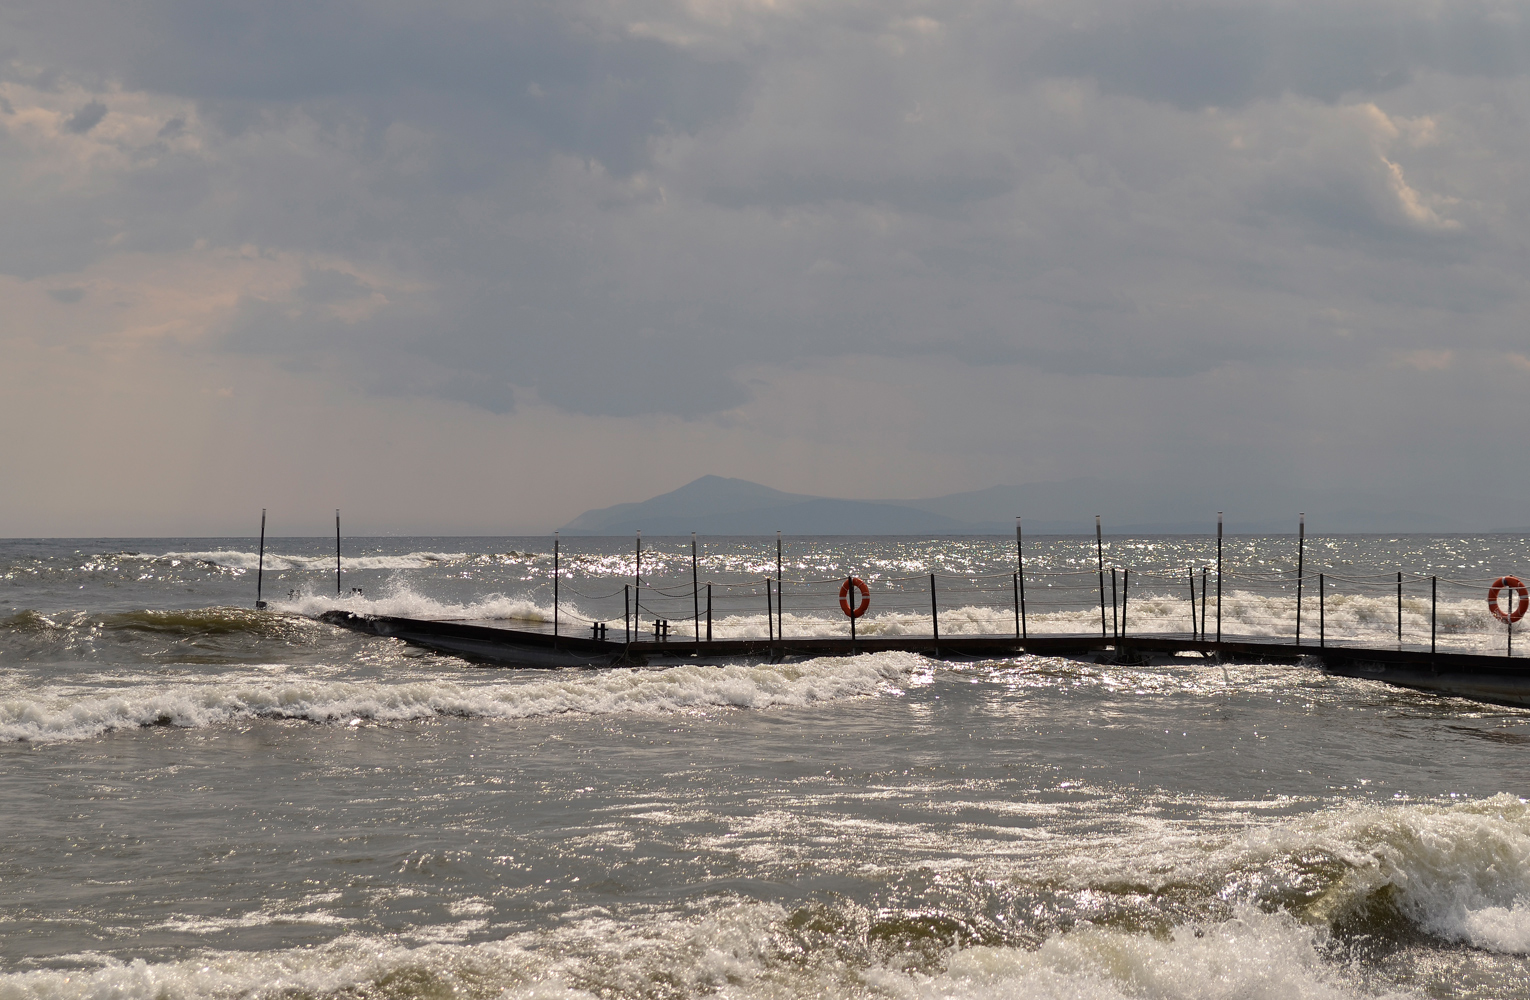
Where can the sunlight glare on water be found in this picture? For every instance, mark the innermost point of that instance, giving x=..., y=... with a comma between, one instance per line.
x=206, y=801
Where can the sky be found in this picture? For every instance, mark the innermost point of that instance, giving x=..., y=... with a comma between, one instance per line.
x=461, y=267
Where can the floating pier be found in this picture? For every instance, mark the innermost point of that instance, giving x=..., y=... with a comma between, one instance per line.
x=1482, y=677
x=1388, y=626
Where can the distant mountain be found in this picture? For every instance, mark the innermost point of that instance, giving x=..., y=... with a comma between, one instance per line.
x=713, y=505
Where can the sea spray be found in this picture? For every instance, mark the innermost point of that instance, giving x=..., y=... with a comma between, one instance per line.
x=744, y=950
x=1020, y=827
x=1458, y=871
x=232, y=559
x=68, y=713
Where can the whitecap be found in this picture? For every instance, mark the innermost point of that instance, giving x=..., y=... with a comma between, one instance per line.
x=74, y=713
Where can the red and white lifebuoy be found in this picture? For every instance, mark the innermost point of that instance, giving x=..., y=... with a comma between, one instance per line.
x=853, y=584
x=1513, y=586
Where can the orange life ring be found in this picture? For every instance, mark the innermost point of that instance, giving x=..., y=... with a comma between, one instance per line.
x=1511, y=584
x=857, y=583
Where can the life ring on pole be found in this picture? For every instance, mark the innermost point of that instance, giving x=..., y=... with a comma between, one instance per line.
x=856, y=583
x=1511, y=584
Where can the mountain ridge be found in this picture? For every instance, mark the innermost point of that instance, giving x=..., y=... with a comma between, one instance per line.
x=716, y=505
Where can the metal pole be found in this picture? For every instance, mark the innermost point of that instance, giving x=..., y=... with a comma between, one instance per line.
x=695, y=592
x=555, y=589
x=1116, y=618
x=1434, y=600
x=1190, y=571
x=1322, y=616
x=1126, y=586
x=627, y=613
x=1219, y=576
x=1099, y=551
x=780, y=594
x=260, y=564
x=1020, y=577
x=709, y=611
x=1399, y=609
x=337, y=551
x=1016, y=582
x=850, y=593
x=934, y=615
x=1301, y=552
x=1508, y=623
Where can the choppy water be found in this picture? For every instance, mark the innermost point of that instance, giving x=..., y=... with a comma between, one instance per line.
x=198, y=800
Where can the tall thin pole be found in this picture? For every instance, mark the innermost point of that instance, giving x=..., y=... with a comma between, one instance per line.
x=1434, y=603
x=1301, y=552
x=1190, y=571
x=780, y=594
x=709, y=611
x=1219, y=576
x=337, y=551
x=1019, y=625
x=555, y=589
x=1020, y=577
x=1126, y=586
x=695, y=592
x=1322, y=616
x=260, y=562
x=1099, y=551
x=850, y=592
x=1399, y=609
x=934, y=615
x=1115, y=619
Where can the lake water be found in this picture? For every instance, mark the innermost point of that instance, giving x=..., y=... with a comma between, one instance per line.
x=201, y=800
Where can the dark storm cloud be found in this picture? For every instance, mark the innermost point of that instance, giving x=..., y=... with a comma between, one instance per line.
x=86, y=118
x=1200, y=55
x=526, y=72
x=621, y=206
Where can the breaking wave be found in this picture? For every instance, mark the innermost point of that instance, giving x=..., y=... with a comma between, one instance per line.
x=194, y=622
x=747, y=950
x=404, y=602
x=72, y=714
x=1460, y=872
x=1454, y=871
x=276, y=561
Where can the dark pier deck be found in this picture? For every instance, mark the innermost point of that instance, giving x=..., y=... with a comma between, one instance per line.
x=1501, y=679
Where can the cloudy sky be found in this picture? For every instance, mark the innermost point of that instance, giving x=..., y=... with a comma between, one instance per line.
x=469, y=266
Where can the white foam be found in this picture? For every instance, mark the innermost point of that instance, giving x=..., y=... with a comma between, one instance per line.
x=735, y=952
x=1252, y=956
x=1458, y=623
x=74, y=713
x=277, y=561
x=1462, y=625
x=326, y=970
x=1459, y=871
x=403, y=602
